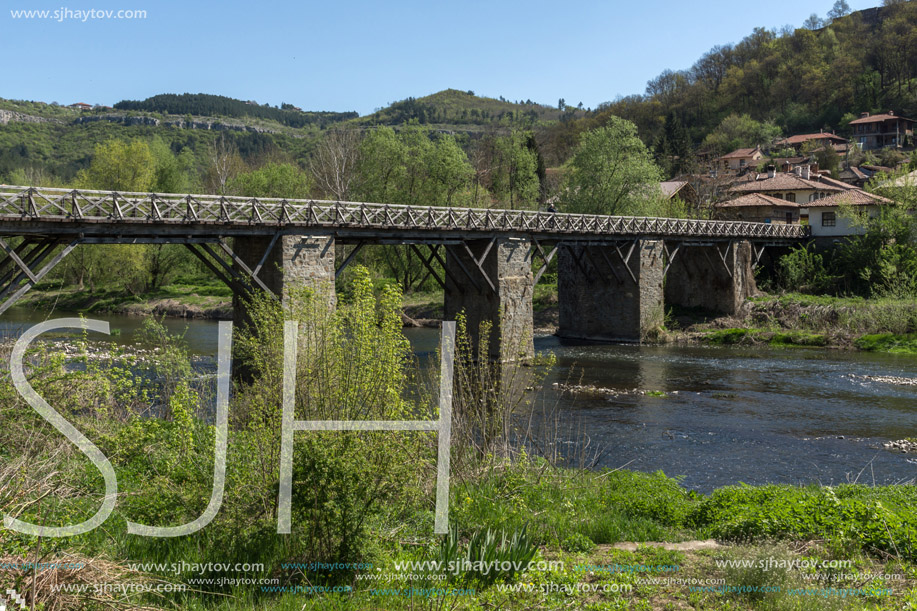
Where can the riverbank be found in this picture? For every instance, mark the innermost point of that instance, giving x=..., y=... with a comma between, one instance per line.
x=797, y=320
x=790, y=320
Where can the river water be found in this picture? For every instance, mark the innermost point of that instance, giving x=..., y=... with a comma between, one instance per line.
x=729, y=415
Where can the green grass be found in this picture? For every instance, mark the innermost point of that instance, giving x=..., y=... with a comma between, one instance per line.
x=203, y=293
x=728, y=337
x=798, y=338
x=888, y=342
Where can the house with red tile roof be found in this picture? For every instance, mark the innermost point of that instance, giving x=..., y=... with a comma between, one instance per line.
x=799, y=187
x=740, y=159
x=880, y=131
x=758, y=208
x=826, y=216
x=821, y=139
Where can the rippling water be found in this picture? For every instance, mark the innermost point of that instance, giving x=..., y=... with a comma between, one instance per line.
x=753, y=415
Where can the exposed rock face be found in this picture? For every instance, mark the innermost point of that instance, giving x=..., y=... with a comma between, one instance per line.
x=179, y=123
x=10, y=116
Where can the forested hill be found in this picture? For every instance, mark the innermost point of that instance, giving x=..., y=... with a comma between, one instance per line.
x=819, y=76
x=206, y=105
x=463, y=108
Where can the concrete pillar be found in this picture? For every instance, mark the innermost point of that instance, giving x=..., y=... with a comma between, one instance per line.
x=294, y=263
x=711, y=278
x=602, y=298
x=508, y=304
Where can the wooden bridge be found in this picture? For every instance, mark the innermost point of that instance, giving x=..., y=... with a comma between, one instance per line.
x=611, y=268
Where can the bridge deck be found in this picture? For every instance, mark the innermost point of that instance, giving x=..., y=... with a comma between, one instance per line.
x=62, y=212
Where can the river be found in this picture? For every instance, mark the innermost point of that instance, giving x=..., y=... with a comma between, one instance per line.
x=729, y=415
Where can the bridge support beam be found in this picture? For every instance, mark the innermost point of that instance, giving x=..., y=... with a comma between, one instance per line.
x=610, y=293
x=491, y=280
x=285, y=264
x=717, y=277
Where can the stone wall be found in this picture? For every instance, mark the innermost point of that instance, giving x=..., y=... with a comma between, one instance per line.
x=602, y=299
x=698, y=277
x=295, y=262
x=509, y=307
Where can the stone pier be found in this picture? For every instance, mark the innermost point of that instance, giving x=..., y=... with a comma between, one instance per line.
x=717, y=278
x=610, y=293
x=492, y=281
x=295, y=262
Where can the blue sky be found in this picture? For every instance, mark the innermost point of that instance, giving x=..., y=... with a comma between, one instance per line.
x=361, y=55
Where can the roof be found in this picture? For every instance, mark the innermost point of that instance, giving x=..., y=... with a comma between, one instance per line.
x=840, y=184
x=853, y=197
x=801, y=138
x=671, y=187
x=739, y=153
x=908, y=180
x=786, y=181
x=790, y=160
x=756, y=199
x=879, y=119
x=857, y=172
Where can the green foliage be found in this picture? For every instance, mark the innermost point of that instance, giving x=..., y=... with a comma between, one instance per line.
x=888, y=342
x=283, y=180
x=882, y=262
x=879, y=518
x=728, y=336
x=120, y=166
x=486, y=547
x=612, y=172
x=803, y=269
x=741, y=131
x=201, y=104
x=577, y=543
x=514, y=179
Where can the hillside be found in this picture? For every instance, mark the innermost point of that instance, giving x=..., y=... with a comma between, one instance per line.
x=464, y=109
x=206, y=105
x=820, y=76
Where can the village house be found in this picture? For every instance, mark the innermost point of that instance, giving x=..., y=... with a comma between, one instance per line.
x=826, y=219
x=799, y=187
x=880, y=131
x=814, y=141
x=854, y=176
x=81, y=106
x=758, y=208
x=681, y=189
x=741, y=159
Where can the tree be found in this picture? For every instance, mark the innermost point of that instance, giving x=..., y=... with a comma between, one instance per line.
x=225, y=164
x=828, y=159
x=741, y=131
x=172, y=172
x=449, y=169
x=515, y=173
x=840, y=9
x=334, y=163
x=283, y=180
x=120, y=166
x=612, y=172
x=814, y=22
x=673, y=147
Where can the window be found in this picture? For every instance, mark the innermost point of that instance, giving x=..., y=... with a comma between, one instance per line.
x=828, y=219
x=791, y=197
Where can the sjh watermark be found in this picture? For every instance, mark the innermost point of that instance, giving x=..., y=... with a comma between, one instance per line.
x=64, y=13
x=289, y=425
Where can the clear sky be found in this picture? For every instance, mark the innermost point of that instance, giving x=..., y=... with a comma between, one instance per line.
x=362, y=55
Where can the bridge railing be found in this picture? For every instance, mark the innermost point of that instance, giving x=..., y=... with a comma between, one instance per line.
x=78, y=205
